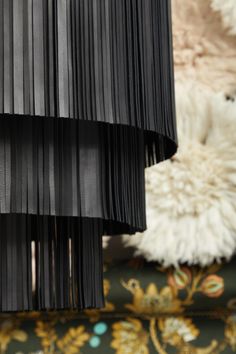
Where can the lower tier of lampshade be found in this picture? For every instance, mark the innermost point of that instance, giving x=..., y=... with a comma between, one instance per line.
x=63, y=184
x=50, y=263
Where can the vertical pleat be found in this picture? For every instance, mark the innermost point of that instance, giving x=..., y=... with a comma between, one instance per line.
x=18, y=56
x=15, y=265
x=38, y=58
x=29, y=57
x=90, y=177
x=107, y=61
x=62, y=47
x=1, y=56
x=51, y=61
x=2, y=171
x=75, y=161
x=27, y=85
x=8, y=56
x=97, y=62
x=7, y=167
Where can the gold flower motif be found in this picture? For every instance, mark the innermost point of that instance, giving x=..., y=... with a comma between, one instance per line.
x=9, y=331
x=230, y=331
x=129, y=337
x=177, y=330
x=46, y=331
x=73, y=340
x=152, y=301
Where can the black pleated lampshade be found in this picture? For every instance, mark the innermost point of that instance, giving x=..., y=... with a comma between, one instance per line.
x=86, y=103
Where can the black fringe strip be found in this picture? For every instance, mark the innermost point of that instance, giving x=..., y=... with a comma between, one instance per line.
x=50, y=263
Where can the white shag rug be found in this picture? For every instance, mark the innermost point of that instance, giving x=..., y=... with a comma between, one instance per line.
x=105, y=241
x=191, y=199
x=227, y=9
x=204, y=50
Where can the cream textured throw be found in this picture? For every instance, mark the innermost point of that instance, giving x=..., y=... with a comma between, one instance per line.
x=191, y=200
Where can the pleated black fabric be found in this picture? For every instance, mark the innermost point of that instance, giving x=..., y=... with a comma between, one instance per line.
x=86, y=103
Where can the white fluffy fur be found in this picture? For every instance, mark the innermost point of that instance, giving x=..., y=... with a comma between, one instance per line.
x=227, y=9
x=191, y=199
x=105, y=241
x=203, y=49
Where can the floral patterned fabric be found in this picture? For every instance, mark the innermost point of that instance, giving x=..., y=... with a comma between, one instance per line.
x=148, y=310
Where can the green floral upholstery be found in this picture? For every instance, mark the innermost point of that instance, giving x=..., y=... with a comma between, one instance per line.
x=148, y=310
